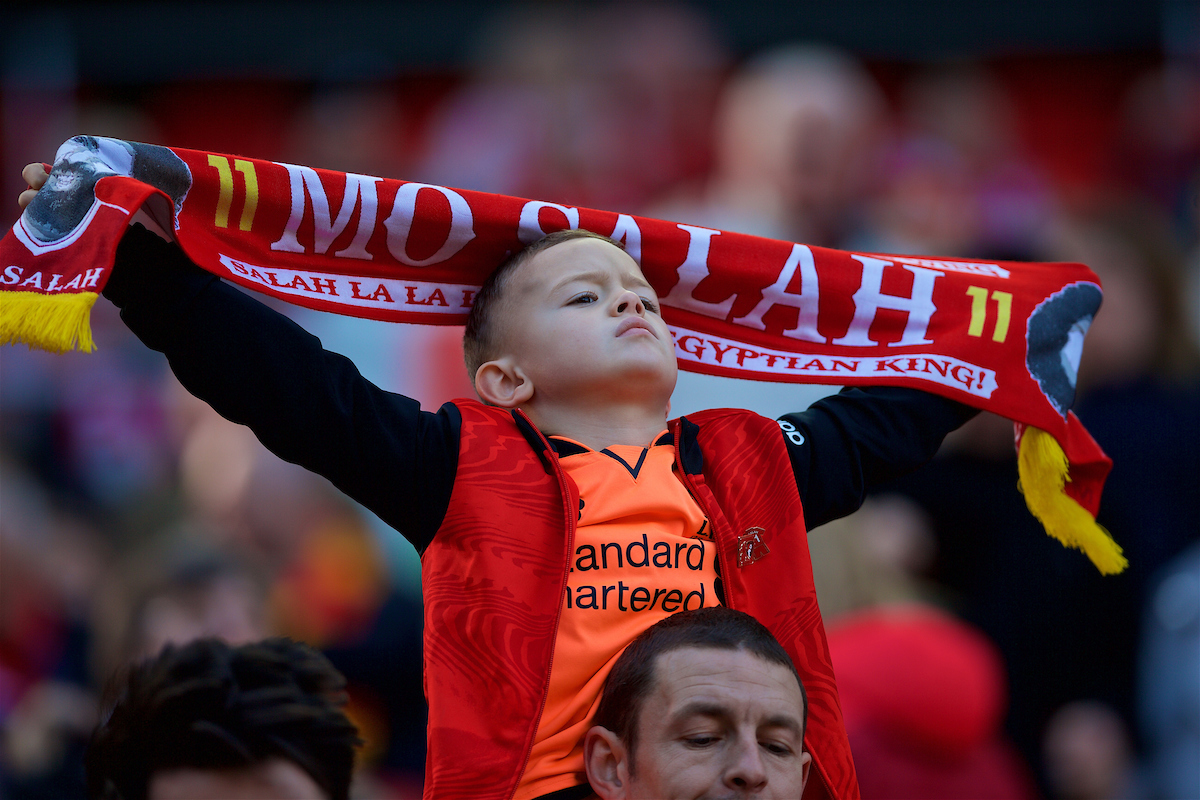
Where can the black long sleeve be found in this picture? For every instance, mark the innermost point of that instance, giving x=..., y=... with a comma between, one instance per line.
x=307, y=405
x=847, y=443
x=313, y=408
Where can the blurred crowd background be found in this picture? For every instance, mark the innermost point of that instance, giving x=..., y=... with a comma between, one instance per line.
x=976, y=657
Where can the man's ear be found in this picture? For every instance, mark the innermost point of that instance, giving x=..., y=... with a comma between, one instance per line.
x=806, y=760
x=502, y=383
x=607, y=763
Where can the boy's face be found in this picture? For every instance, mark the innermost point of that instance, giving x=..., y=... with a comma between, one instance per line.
x=581, y=320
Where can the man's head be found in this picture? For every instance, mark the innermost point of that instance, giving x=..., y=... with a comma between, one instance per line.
x=704, y=703
x=210, y=720
x=569, y=317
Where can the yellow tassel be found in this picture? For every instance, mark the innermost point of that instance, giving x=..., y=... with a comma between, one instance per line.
x=58, y=322
x=1042, y=470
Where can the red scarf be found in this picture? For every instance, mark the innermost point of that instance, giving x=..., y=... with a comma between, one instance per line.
x=1000, y=336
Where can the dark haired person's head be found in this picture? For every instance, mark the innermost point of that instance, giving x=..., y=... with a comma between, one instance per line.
x=569, y=330
x=482, y=338
x=703, y=701
x=208, y=719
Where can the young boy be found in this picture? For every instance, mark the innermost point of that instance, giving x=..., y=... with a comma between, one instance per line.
x=564, y=514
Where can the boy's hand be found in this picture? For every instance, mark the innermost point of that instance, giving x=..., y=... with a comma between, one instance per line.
x=35, y=175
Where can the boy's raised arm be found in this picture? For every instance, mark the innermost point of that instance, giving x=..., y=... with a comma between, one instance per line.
x=847, y=443
x=307, y=405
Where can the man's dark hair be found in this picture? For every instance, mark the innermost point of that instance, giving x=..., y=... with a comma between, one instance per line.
x=718, y=628
x=208, y=705
x=479, y=338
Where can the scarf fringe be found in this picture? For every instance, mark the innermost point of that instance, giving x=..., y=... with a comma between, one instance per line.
x=57, y=323
x=1042, y=469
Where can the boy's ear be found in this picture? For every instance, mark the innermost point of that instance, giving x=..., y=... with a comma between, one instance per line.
x=502, y=383
x=607, y=763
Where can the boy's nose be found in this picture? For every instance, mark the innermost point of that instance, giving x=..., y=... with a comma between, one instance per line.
x=629, y=301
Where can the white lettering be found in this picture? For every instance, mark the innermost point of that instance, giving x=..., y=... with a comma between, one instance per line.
x=92, y=277
x=870, y=298
x=627, y=232
x=12, y=274
x=693, y=270
x=791, y=432
x=399, y=224
x=529, y=230
x=807, y=300
x=994, y=270
x=305, y=183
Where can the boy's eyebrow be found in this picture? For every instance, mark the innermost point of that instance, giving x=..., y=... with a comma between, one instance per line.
x=596, y=276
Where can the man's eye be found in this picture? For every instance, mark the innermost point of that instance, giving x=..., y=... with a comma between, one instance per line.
x=701, y=741
x=776, y=748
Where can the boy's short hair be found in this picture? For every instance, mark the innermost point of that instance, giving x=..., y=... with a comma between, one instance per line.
x=480, y=339
x=716, y=628
x=210, y=706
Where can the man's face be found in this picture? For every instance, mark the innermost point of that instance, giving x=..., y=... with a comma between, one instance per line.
x=719, y=724
x=581, y=320
x=277, y=779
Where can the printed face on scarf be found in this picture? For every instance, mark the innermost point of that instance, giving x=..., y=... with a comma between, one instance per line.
x=583, y=323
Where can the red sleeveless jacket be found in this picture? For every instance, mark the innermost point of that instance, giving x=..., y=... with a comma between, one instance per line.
x=494, y=574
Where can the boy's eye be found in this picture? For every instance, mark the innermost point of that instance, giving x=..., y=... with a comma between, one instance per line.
x=583, y=298
x=650, y=304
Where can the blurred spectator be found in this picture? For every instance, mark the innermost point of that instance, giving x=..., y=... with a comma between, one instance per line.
x=351, y=127
x=207, y=720
x=497, y=133
x=874, y=557
x=1158, y=158
x=587, y=106
x=1139, y=384
x=955, y=182
x=179, y=586
x=1141, y=330
x=797, y=131
x=1158, y=152
x=328, y=582
x=923, y=698
x=1066, y=632
x=923, y=694
x=50, y=564
x=1168, y=689
x=1088, y=753
x=927, y=205
x=662, y=64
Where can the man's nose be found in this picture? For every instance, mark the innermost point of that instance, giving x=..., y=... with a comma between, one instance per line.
x=747, y=771
x=629, y=300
